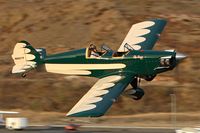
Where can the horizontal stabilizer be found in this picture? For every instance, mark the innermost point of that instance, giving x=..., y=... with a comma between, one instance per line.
x=25, y=57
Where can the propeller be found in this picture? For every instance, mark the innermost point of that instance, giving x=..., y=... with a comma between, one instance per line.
x=179, y=58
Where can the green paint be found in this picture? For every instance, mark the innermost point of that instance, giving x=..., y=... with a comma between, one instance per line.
x=134, y=66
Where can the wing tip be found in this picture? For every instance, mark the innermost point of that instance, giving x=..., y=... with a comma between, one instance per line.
x=159, y=20
x=98, y=114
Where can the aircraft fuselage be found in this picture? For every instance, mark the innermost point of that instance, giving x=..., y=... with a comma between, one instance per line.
x=137, y=63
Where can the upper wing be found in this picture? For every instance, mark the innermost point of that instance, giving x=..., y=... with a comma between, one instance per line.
x=143, y=35
x=100, y=97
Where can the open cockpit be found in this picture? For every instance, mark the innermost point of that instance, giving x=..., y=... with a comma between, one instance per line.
x=105, y=52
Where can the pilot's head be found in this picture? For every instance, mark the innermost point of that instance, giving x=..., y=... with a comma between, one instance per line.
x=93, y=47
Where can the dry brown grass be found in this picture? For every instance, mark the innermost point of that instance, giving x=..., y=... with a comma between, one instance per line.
x=145, y=119
x=63, y=25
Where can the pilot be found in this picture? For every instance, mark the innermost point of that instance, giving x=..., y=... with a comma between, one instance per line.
x=93, y=50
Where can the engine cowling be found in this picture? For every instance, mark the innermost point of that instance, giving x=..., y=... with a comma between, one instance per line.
x=134, y=93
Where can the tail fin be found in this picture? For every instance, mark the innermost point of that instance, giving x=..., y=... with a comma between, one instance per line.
x=26, y=57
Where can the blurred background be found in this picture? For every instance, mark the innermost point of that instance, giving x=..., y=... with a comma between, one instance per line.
x=63, y=25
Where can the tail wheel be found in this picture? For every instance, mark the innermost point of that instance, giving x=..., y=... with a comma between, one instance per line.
x=23, y=75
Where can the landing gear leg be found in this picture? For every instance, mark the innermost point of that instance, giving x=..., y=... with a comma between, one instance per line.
x=139, y=81
x=139, y=93
x=134, y=83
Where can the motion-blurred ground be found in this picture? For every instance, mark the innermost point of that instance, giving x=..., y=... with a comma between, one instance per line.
x=62, y=25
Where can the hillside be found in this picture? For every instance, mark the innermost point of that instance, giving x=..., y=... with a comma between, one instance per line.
x=64, y=25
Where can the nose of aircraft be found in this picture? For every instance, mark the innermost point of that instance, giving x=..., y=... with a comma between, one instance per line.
x=180, y=57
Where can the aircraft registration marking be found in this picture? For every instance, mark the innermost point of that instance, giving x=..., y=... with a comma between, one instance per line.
x=138, y=57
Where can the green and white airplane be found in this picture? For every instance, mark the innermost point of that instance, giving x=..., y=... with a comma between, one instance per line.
x=133, y=60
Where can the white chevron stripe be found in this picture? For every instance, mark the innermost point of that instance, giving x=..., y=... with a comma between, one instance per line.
x=29, y=56
x=26, y=50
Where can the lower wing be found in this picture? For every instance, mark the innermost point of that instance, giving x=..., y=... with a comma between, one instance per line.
x=101, y=96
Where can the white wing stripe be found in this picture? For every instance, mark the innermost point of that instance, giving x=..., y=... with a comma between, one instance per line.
x=136, y=40
x=94, y=100
x=86, y=107
x=143, y=25
x=100, y=93
x=140, y=32
x=104, y=86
